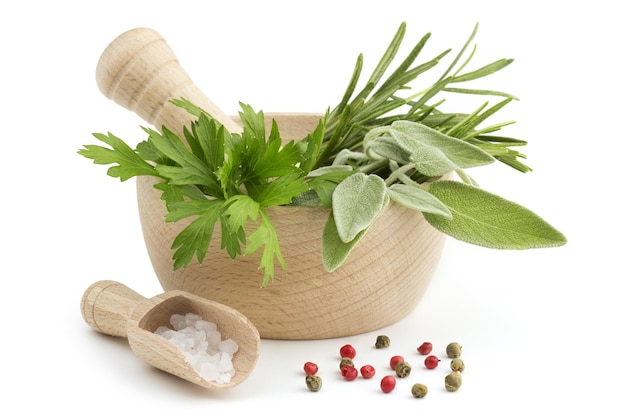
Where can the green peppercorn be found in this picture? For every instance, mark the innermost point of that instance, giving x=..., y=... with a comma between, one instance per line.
x=382, y=341
x=346, y=362
x=457, y=365
x=313, y=382
x=419, y=390
x=403, y=369
x=453, y=381
x=453, y=350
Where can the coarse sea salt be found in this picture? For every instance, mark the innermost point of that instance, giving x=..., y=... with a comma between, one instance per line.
x=202, y=344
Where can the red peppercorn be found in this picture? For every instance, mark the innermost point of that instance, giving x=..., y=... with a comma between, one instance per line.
x=425, y=348
x=310, y=368
x=349, y=372
x=431, y=362
x=368, y=371
x=347, y=351
x=395, y=360
x=388, y=383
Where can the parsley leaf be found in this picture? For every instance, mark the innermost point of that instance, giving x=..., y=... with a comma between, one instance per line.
x=196, y=237
x=376, y=145
x=189, y=168
x=206, y=140
x=282, y=190
x=214, y=176
x=265, y=235
x=235, y=214
x=129, y=163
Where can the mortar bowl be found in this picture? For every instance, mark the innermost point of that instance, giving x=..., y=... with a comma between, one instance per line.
x=380, y=283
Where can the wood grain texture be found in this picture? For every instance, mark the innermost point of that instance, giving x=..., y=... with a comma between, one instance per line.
x=382, y=281
x=111, y=308
x=139, y=71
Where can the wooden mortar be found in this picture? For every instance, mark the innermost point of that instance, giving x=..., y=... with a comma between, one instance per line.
x=381, y=282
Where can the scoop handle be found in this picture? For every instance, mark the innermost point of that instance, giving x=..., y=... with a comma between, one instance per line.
x=139, y=71
x=107, y=305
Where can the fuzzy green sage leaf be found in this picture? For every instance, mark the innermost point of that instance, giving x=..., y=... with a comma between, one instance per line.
x=417, y=198
x=357, y=201
x=485, y=219
x=334, y=250
x=377, y=144
x=432, y=152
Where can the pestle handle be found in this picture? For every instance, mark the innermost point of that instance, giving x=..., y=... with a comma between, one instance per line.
x=107, y=305
x=139, y=71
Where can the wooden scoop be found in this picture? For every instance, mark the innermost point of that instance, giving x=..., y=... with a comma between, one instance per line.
x=114, y=309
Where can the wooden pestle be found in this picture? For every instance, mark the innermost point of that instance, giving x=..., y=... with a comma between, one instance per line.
x=139, y=71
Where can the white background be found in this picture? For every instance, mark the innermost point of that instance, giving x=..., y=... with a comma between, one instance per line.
x=542, y=330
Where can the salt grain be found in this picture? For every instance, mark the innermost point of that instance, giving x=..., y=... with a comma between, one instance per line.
x=202, y=344
x=228, y=346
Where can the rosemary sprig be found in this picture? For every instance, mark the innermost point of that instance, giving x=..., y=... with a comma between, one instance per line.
x=373, y=107
x=375, y=146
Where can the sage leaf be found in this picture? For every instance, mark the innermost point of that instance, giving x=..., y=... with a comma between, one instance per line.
x=413, y=136
x=329, y=170
x=309, y=198
x=334, y=250
x=485, y=219
x=356, y=202
x=387, y=148
x=345, y=156
x=417, y=198
x=466, y=178
x=431, y=161
x=429, y=151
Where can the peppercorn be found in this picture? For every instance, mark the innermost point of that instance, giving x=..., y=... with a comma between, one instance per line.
x=313, y=382
x=425, y=348
x=382, y=341
x=457, y=365
x=453, y=381
x=394, y=361
x=419, y=390
x=310, y=368
x=368, y=371
x=403, y=369
x=431, y=362
x=453, y=350
x=347, y=351
x=387, y=384
x=349, y=373
x=346, y=362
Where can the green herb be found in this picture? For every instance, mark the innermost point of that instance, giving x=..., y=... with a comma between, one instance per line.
x=373, y=148
x=219, y=177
